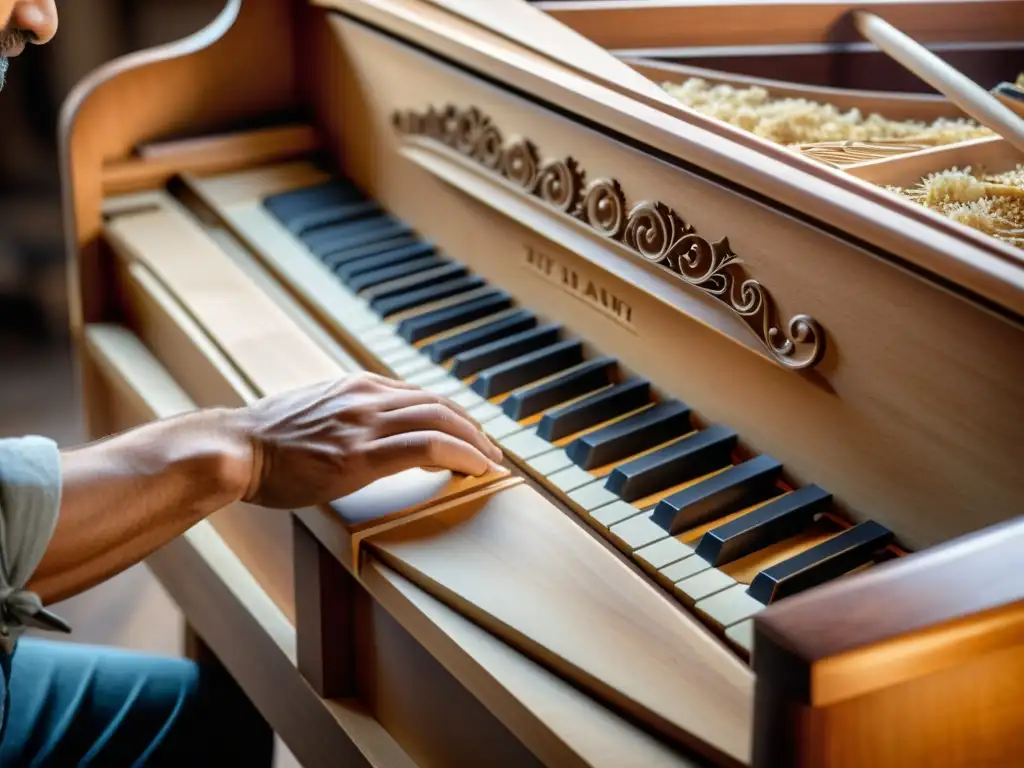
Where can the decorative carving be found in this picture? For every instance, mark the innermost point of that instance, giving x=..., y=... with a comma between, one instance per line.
x=650, y=229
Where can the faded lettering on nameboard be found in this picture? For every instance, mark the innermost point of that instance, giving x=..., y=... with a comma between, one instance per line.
x=582, y=287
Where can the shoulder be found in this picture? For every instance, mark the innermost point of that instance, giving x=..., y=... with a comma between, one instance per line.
x=28, y=466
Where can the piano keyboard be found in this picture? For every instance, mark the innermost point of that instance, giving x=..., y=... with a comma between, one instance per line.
x=718, y=530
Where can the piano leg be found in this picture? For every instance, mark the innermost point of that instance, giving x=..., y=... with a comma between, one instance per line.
x=323, y=616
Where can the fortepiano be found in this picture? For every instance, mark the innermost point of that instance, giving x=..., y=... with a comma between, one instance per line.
x=760, y=403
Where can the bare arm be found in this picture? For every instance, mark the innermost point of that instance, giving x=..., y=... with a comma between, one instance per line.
x=124, y=497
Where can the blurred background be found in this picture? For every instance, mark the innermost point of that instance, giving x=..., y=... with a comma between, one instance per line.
x=38, y=391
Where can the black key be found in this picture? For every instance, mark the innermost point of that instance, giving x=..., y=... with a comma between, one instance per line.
x=332, y=194
x=684, y=460
x=592, y=375
x=620, y=399
x=393, y=272
x=535, y=365
x=768, y=524
x=445, y=349
x=634, y=434
x=1010, y=91
x=738, y=487
x=387, y=258
x=309, y=221
x=376, y=248
x=506, y=348
x=420, y=327
x=395, y=304
x=324, y=242
x=401, y=285
x=842, y=553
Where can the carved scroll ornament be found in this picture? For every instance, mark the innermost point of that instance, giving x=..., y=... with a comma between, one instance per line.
x=649, y=229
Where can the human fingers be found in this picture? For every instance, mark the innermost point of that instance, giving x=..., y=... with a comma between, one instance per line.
x=384, y=381
x=439, y=417
x=439, y=450
x=395, y=400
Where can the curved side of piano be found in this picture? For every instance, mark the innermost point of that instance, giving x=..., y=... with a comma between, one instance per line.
x=437, y=631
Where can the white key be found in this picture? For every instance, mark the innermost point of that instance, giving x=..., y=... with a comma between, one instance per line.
x=662, y=553
x=397, y=354
x=592, y=496
x=683, y=569
x=730, y=606
x=742, y=634
x=380, y=333
x=447, y=387
x=380, y=343
x=526, y=444
x=485, y=411
x=467, y=398
x=637, y=532
x=571, y=478
x=358, y=322
x=412, y=366
x=704, y=584
x=548, y=463
x=427, y=376
x=501, y=426
x=613, y=513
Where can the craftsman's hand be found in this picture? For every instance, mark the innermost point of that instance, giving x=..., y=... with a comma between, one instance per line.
x=325, y=441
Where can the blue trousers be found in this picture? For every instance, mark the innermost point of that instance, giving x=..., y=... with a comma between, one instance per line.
x=76, y=705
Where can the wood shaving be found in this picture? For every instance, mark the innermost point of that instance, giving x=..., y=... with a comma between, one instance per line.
x=792, y=122
x=989, y=203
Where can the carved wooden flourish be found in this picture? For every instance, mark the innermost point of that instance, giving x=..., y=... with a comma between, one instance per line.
x=649, y=229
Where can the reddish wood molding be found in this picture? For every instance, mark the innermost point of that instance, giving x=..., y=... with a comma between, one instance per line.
x=864, y=641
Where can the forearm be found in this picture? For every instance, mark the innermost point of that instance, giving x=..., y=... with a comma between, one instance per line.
x=124, y=497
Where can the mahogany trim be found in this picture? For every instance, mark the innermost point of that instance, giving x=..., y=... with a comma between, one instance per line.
x=927, y=608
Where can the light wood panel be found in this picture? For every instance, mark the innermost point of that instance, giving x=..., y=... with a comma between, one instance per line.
x=436, y=719
x=514, y=563
x=561, y=725
x=955, y=255
x=900, y=351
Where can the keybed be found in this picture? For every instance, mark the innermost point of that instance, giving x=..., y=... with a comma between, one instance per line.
x=717, y=529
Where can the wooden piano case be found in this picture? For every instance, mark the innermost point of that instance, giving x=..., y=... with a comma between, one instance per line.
x=433, y=620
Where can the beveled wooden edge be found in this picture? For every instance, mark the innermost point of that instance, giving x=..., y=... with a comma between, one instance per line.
x=891, y=104
x=157, y=163
x=937, y=250
x=994, y=154
x=906, y=618
x=223, y=601
x=795, y=22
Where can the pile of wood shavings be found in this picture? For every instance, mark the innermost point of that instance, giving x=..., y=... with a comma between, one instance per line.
x=990, y=203
x=791, y=121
